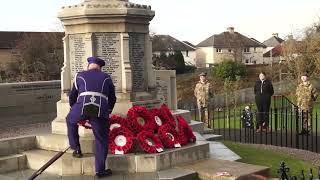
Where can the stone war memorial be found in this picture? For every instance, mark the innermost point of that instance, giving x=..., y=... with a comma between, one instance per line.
x=116, y=31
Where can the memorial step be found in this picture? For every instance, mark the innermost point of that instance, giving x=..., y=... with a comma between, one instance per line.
x=59, y=127
x=212, y=137
x=11, y=146
x=132, y=163
x=171, y=174
x=58, y=142
x=211, y=168
x=207, y=130
x=184, y=113
x=196, y=126
x=12, y=163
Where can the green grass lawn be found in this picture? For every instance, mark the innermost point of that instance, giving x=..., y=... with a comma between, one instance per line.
x=256, y=156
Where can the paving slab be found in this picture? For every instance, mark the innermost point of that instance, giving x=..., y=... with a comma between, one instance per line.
x=171, y=174
x=209, y=169
x=219, y=151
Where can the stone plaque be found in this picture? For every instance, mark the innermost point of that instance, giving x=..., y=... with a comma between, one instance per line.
x=137, y=60
x=162, y=90
x=107, y=46
x=77, y=53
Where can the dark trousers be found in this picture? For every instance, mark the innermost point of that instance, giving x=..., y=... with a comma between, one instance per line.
x=263, y=113
x=100, y=131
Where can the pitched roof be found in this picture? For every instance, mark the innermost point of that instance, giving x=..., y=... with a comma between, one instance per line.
x=168, y=43
x=189, y=44
x=8, y=39
x=229, y=40
x=273, y=41
x=276, y=51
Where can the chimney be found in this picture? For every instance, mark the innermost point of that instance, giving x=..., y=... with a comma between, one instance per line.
x=275, y=34
x=231, y=30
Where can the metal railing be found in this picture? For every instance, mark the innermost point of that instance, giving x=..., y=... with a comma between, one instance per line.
x=287, y=125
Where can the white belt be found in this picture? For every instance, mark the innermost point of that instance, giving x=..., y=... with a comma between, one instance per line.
x=91, y=93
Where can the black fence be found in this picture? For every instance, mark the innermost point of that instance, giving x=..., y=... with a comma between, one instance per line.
x=287, y=126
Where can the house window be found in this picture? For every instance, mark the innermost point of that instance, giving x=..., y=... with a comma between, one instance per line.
x=246, y=50
x=247, y=61
x=230, y=50
x=187, y=53
x=255, y=49
x=219, y=50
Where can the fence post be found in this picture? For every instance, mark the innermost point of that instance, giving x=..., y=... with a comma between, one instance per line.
x=302, y=177
x=311, y=174
x=297, y=127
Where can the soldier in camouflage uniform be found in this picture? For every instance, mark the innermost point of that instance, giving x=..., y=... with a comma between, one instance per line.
x=203, y=92
x=306, y=96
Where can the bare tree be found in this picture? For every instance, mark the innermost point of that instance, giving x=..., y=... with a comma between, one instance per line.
x=39, y=56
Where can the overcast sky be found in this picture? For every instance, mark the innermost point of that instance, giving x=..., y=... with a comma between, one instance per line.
x=191, y=20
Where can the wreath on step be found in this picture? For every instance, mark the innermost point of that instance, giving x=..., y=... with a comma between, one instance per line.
x=185, y=133
x=149, y=142
x=140, y=119
x=169, y=136
x=121, y=141
x=166, y=115
x=117, y=121
x=158, y=118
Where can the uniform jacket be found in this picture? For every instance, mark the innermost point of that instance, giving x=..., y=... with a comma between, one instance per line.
x=306, y=96
x=203, y=91
x=97, y=83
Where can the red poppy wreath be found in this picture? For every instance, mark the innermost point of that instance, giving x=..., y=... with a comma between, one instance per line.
x=169, y=136
x=185, y=133
x=149, y=142
x=140, y=119
x=166, y=116
x=121, y=140
x=159, y=120
x=85, y=123
x=117, y=121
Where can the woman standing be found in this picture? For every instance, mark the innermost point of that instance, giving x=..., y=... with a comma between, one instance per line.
x=263, y=91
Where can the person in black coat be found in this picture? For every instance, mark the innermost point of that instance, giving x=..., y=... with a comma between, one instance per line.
x=263, y=91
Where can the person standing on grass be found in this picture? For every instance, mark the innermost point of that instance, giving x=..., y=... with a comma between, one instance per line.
x=306, y=97
x=263, y=91
x=203, y=93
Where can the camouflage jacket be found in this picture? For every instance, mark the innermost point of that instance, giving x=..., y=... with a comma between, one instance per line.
x=203, y=92
x=306, y=96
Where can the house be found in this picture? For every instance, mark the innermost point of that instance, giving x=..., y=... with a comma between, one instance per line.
x=229, y=45
x=273, y=41
x=168, y=45
x=274, y=49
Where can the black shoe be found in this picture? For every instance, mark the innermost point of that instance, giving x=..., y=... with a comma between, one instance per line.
x=105, y=173
x=77, y=154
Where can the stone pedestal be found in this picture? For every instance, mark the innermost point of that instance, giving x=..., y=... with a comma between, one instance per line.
x=117, y=32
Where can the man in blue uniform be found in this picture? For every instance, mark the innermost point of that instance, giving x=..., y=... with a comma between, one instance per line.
x=92, y=98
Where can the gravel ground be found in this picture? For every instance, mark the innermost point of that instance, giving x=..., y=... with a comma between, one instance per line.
x=32, y=129
x=313, y=158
